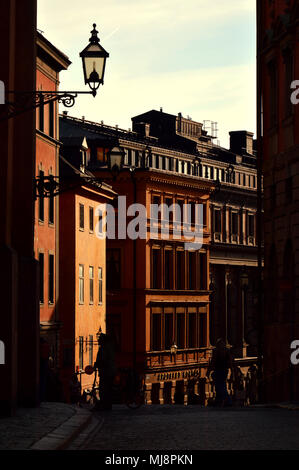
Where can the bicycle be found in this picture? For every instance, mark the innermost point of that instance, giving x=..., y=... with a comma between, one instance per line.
x=91, y=395
x=128, y=387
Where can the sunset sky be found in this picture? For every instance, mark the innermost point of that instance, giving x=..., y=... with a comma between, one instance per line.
x=194, y=57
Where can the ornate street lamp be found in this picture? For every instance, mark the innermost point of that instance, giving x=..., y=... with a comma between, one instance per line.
x=94, y=61
x=116, y=158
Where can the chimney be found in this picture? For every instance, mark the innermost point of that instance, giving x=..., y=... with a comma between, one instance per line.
x=179, y=122
x=241, y=142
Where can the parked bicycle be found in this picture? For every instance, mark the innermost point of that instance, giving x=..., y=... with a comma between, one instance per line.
x=128, y=388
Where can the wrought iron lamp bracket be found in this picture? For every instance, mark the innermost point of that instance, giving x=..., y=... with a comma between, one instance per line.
x=28, y=100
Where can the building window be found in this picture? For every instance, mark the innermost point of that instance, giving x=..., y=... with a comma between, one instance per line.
x=234, y=223
x=203, y=271
x=41, y=277
x=51, y=119
x=100, y=280
x=192, y=270
x=129, y=157
x=169, y=203
x=156, y=268
x=251, y=225
x=180, y=211
x=168, y=269
x=169, y=327
x=204, y=214
x=150, y=160
x=180, y=330
x=156, y=332
x=202, y=330
x=81, y=283
x=180, y=270
x=217, y=220
x=91, y=350
x=155, y=209
x=113, y=269
x=51, y=279
x=81, y=352
x=91, y=219
x=81, y=216
x=91, y=279
x=192, y=330
x=41, y=202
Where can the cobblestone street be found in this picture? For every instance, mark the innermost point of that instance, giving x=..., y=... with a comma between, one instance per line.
x=195, y=428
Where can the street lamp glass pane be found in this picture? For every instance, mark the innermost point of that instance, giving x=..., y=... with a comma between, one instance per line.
x=94, y=64
x=115, y=159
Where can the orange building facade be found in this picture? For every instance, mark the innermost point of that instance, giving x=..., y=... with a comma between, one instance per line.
x=82, y=275
x=50, y=61
x=171, y=292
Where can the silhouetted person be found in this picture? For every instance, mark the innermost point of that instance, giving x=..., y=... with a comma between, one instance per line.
x=251, y=384
x=220, y=362
x=105, y=363
x=75, y=390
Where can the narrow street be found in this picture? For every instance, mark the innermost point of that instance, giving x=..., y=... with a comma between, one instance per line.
x=195, y=428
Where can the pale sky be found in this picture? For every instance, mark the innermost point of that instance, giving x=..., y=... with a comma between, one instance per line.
x=196, y=57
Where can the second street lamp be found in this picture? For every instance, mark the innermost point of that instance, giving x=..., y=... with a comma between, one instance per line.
x=116, y=160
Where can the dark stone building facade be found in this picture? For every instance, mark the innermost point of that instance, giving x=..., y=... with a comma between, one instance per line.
x=278, y=156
